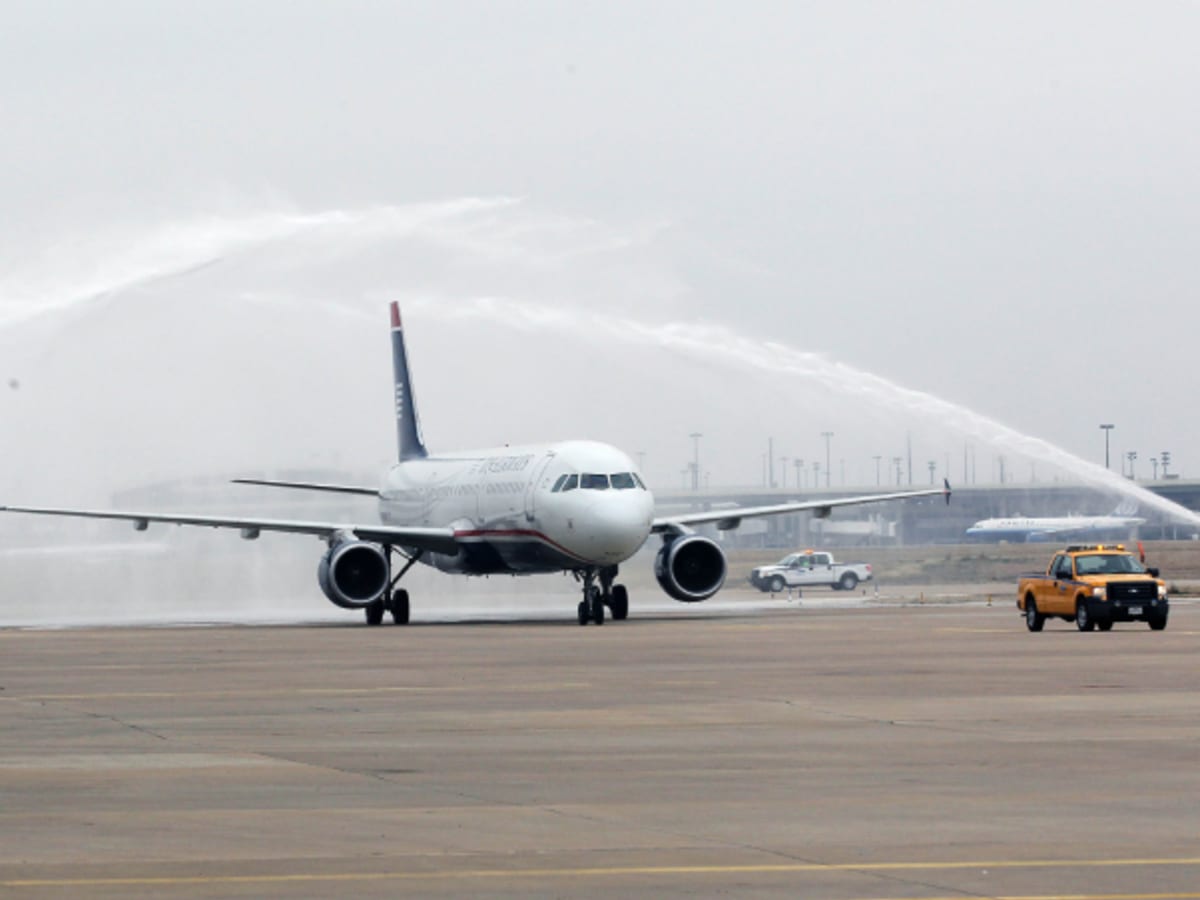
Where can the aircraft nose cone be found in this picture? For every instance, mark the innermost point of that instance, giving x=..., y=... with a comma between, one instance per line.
x=617, y=527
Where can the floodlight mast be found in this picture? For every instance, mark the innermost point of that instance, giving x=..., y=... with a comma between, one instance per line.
x=1107, y=430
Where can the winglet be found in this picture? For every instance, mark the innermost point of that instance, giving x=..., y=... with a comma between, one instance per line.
x=395, y=314
x=947, y=492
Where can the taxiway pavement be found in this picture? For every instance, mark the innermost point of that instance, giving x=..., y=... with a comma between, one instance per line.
x=879, y=752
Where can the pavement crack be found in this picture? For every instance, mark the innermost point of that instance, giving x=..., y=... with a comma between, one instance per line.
x=130, y=725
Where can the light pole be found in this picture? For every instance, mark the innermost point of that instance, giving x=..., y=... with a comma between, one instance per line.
x=1166, y=461
x=1107, y=429
x=827, y=435
x=695, y=436
x=932, y=469
x=896, y=460
x=1154, y=465
x=1132, y=457
x=877, y=459
x=783, y=460
x=799, y=472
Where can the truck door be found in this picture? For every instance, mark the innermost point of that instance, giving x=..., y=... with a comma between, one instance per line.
x=806, y=572
x=1062, y=596
x=823, y=566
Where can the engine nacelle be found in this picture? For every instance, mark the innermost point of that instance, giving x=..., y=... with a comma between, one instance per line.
x=353, y=573
x=690, y=567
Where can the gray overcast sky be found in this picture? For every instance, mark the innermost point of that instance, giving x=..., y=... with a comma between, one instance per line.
x=996, y=203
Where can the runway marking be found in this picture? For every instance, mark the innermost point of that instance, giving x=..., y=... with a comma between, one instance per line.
x=625, y=871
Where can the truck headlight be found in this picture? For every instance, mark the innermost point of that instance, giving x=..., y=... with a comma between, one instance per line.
x=1100, y=593
x=1162, y=591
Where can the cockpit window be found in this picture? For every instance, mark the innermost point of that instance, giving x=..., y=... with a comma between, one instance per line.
x=591, y=481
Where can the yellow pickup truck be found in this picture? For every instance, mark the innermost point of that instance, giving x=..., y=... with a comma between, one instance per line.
x=1094, y=586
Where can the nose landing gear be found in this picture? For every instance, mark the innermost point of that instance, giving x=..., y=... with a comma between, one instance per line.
x=597, y=597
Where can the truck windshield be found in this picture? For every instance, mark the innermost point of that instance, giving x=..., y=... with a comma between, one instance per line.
x=1108, y=564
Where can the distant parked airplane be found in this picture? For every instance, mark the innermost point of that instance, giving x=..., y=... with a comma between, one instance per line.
x=1031, y=529
x=573, y=506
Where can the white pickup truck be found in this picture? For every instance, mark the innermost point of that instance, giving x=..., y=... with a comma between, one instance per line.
x=809, y=569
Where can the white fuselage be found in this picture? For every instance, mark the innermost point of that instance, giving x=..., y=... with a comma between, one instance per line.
x=1033, y=527
x=519, y=510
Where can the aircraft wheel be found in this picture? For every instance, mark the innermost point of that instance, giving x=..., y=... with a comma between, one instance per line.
x=619, y=602
x=596, y=602
x=584, y=613
x=400, y=607
x=374, y=611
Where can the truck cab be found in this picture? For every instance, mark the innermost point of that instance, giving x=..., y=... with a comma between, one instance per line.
x=810, y=568
x=1094, y=586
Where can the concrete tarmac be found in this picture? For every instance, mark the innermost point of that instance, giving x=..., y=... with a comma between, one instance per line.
x=877, y=752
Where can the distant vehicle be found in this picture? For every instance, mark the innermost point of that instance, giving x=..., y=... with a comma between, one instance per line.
x=1120, y=524
x=809, y=569
x=1094, y=586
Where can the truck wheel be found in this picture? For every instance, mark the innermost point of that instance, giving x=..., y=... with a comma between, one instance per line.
x=848, y=582
x=1034, y=620
x=776, y=584
x=1104, y=623
x=1083, y=619
x=1157, y=621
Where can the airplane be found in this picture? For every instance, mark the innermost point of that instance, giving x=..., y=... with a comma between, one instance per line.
x=1034, y=529
x=574, y=506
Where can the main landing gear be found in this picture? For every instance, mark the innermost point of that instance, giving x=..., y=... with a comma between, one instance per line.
x=394, y=600
x=598, y=596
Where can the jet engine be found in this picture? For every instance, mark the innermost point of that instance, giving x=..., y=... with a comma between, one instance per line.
x=690, y=567
x=353, y=573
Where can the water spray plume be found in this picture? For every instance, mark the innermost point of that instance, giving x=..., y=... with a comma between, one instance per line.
x=127, y=259
x=503, y=231
x=715, y=345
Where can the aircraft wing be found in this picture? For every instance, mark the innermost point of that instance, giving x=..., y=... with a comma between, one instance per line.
x=730, y=518
x=310, y=486
x=435, y=540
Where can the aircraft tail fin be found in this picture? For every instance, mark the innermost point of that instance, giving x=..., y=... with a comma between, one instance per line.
x=408, y=426
x=1126, y=508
